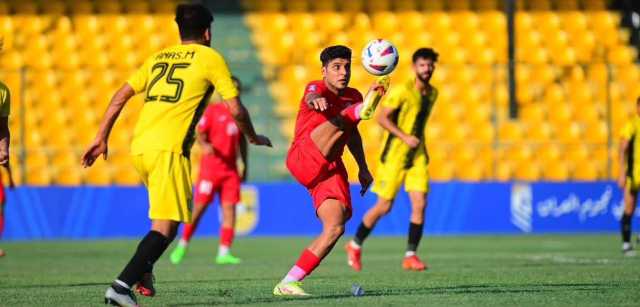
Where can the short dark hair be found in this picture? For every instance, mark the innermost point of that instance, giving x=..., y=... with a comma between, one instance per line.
x=193, y=20
x=237, y=82
x=334, y=52
x=425, y=53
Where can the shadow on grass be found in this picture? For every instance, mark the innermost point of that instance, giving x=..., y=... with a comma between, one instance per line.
x=227, y=298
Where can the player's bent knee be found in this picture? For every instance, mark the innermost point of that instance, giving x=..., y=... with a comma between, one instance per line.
x=335, y=231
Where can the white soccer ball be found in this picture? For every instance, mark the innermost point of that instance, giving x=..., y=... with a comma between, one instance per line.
x=380, y=57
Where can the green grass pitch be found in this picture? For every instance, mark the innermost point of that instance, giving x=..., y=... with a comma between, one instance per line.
x=551, y=270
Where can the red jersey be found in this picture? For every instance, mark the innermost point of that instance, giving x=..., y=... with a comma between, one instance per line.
x=308, y=118
x=223, y=134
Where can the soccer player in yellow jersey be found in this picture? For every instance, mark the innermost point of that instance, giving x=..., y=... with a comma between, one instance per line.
x=404, y=159
x=177, y=83
x=629, y=178
x=5, y=109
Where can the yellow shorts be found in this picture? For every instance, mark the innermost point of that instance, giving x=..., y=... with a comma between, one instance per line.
x=389, y=179
x=632, y=184
x=167, y=176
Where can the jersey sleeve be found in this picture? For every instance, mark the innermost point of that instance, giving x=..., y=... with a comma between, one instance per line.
x=314, y=87
x=5, y=103
x=393, y=99
x=627, y=131
x=218, y=74
x=138, y=81
x=205, y=121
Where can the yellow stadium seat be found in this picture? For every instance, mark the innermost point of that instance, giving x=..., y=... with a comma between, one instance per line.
x=108, y=7
x=510, y=131
x=405, y=5
x=528, y=171
x=556, y=170
x=442, y=171
x=68, y=176
x=351, y=6
x=596, y=5
x=378, y=5
x=55, y=7
x=539, y=5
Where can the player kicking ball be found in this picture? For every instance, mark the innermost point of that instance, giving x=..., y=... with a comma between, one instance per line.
x=327, y=121
x=177, y=82
x=221, y=141
x=403, y=114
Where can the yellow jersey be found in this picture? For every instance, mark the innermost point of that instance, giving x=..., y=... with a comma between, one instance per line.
x=5, y=100
x=411, y=112
x=177, y=82
x=630, y=133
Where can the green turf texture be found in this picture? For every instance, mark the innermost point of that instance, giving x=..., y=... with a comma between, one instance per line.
x=583, y=270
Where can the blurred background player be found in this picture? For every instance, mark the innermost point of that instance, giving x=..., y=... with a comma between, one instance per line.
x=327, y=121
x=221, y=141
x=5, y=109
x=178, y=82
x=629, y=178
x=403, y=115
x=5, y=138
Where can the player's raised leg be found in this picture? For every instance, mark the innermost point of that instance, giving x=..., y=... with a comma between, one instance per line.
x=333, y=215
x=416, y=225
x=187, y=233
x=227, y=234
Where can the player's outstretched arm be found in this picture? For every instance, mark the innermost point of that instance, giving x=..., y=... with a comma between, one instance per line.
x=243, y=120
x=5, y=139
x=244, y=155
x=99, y=145
x=622, y=158
x=384, y=119
x=357, y=151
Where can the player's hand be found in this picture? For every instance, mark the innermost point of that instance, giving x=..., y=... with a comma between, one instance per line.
x=99, y=147
x=411, y=141
x=365, y=180
x=622, y=180
x=4, y=157
x=319, y=104
x=379, y=87
x=260, y=140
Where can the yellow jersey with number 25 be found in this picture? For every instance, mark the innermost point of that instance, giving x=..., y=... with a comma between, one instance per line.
x=177, y=83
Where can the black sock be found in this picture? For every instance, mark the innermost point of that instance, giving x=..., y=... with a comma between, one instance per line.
x=149, y=250
x=415, y=234
x=362, y=234
x=626, y=228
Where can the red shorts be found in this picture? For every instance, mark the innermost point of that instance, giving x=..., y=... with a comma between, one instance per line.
x=227, y=184
x=324, y=179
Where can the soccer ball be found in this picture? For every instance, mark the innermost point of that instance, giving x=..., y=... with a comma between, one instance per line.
x=379, y=57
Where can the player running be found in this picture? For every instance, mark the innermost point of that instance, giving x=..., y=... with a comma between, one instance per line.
x=629, y=178
x=5, y=109
x=177, y=82
x=220, y=141
x=327, y=121
x=404, y=159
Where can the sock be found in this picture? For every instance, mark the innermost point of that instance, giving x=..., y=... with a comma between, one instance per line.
x=626, y=245
x=303, y=267
x=226, y=236
x=223, y=250
x=352, y=113
x=187, y=233
x=1, y=225
x=626, y=227
x=149, y=250
x=361, y=234
x=409, y=253
x=415, y=234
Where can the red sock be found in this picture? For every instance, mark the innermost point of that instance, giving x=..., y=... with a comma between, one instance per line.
x=352, y=113
x=1, y=224
x=226, y=236
x=188, y=231
x=308, y=262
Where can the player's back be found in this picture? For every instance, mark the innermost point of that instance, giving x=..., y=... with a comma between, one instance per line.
x=177, y=83
x=223, y=134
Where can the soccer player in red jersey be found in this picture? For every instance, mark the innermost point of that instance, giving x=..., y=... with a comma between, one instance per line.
x=221, y=141
x=327, y=121
x=5, y=108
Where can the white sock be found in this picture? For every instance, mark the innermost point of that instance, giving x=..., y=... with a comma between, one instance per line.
x=626, y=245
x=409, y=253
x=122, y=283
x=183, y=243
x=355, y=245
x=223, y=250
